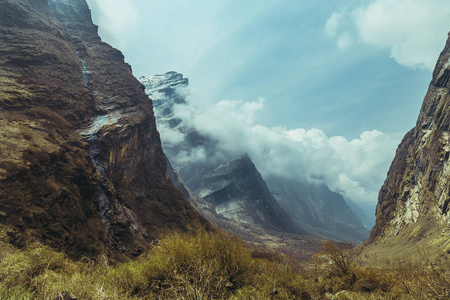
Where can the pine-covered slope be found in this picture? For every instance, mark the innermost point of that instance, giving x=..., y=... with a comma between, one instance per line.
x=81, y=164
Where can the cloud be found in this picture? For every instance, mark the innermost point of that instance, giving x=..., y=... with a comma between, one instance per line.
x=413, y=31
x=344, y=41
x=114, y=18
x=356, y=168
x=332, y=24
x=336, y=21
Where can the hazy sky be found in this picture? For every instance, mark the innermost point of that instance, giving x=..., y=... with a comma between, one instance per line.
x=341, y=66
x=330, y=72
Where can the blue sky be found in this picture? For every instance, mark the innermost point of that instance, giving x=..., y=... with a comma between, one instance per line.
x=334, y=69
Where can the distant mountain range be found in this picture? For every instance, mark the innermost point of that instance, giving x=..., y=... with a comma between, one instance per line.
x=234, y=186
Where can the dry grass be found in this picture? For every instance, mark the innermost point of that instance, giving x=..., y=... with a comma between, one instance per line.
x=215, y=265
x=429, y=281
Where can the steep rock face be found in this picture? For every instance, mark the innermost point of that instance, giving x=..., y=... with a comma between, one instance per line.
x=48, y=184
x=238, y=192
x=416, y=192
x=136, y=197
x=181, y=142
x=81, y=165
x=26, y=14
x=75, y=16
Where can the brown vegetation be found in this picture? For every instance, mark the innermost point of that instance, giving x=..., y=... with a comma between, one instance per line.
x=215, y=265
x=48, y=184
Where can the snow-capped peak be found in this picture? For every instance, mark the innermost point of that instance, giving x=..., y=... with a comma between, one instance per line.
x=160, y=82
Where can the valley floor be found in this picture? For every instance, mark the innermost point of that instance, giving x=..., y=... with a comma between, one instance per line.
x=215, y=265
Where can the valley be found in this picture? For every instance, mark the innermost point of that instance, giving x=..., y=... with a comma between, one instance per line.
x=113, y=187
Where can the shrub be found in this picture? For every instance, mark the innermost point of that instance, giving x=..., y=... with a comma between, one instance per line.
x=427, y=279
x=38, y=272
x=214, y=265
x=337, y=255
x=198, y=265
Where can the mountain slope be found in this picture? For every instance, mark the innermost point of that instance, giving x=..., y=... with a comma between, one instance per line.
x=81, y=164
x=238, y=192
x=200, y=162
x=412, y=208
x=315, y=205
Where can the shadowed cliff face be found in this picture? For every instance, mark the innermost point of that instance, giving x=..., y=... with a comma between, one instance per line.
x=238, y=192
x=81, y=165
x=417, y=190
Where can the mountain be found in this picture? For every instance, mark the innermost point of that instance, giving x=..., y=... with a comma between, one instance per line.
x=181, y=142
x=238, y=192
x=233, y=188
x=364, y=214
x=81, y=163
x=221, y=179
x=313, y=203
x=413, y=208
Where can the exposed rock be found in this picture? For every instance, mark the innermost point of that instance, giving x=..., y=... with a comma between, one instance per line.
x=233, y=189
x=295, y=245
x=66, y=296
x=48, y=183
x=413, y=202
x=237, y=191
x=167, y=91
x=81, y=164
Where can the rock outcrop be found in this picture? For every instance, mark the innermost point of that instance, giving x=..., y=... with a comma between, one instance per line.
x=81, y=164
x=413, y=202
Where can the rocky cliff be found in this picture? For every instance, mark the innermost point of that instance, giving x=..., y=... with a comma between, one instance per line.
x=181, y=141
x=81, y=164
x=413, y=202
x=238, y=192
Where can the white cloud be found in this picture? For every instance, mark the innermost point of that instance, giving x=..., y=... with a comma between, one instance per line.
x=336, y=21
x=332, y=24
x=197, y=154
x=171, y=137
x=413, y=31
x=344, y=41
x=356, y=168
x=114, y=18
